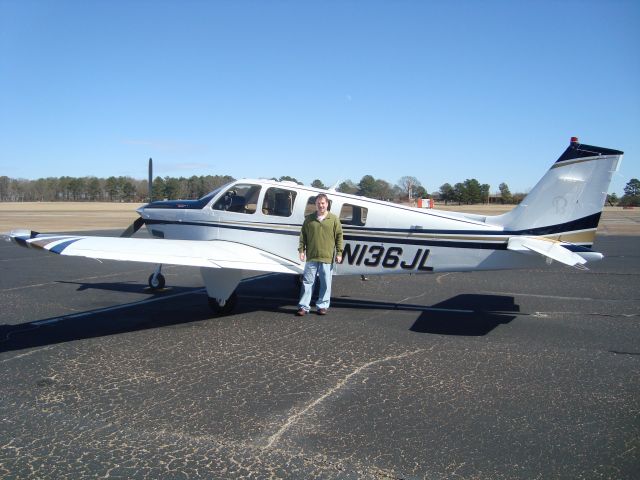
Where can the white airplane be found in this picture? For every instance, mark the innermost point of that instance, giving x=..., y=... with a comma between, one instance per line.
x=251, y=225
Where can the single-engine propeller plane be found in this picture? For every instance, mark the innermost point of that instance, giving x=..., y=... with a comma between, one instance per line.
x=252, y=225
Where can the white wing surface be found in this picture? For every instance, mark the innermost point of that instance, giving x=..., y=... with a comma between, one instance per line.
x=195, y=253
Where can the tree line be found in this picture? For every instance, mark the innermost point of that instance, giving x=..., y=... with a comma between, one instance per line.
x=112, y=189
x=127, y=189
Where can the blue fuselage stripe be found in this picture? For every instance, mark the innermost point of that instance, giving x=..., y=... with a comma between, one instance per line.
x=368, y=235
x=585, y=223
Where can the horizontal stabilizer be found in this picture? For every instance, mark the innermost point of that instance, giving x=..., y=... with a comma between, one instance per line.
x=546, y=247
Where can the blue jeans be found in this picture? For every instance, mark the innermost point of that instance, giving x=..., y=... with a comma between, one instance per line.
x=324, y=271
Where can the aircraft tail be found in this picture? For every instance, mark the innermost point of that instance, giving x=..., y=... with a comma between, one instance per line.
x=567, y=202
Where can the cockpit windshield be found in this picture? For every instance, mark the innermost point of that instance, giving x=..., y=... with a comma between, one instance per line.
x=205, y=199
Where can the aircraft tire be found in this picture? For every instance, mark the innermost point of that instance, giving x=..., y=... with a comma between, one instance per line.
x=156, y=283
x=227, y=307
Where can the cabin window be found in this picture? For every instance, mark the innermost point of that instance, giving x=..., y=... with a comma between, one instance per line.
x=278, y=202
x=240, y=198
x=353, y=215
x=311, y=206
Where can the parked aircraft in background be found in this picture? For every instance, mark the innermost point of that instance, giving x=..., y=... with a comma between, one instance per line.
x=252, y=225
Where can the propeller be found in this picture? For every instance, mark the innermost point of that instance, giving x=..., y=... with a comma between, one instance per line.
x=139, y=222
x=150, y=180
x=133, y=228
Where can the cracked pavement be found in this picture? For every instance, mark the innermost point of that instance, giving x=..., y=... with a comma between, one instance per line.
x=479, y=375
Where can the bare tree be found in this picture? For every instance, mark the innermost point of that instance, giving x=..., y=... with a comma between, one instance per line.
x=409, y=185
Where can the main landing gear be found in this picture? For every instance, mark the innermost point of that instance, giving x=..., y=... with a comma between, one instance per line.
x=221, y=286
x=220, y=283
x=223, y=307
x=156, y=279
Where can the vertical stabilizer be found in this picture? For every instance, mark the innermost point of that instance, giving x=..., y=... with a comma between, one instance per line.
x=569, y=198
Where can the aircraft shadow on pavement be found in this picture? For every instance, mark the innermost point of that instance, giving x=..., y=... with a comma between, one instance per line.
x=92, y=324
x=464, y=315
x=124, y=287
x=170, y=312
x=467, y=315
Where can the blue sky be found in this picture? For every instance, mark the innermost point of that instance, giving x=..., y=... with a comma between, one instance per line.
x=442, y=91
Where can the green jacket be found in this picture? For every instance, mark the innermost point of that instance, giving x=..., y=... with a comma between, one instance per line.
x=321, y=240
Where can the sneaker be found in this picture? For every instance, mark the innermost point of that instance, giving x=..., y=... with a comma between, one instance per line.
x=301, y=312
x=322, y=311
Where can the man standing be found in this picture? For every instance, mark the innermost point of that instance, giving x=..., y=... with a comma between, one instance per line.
x=320, y=240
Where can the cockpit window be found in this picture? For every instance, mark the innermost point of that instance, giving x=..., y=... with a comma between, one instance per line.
x=278, y=202
x=240, y=198
x=353, y=215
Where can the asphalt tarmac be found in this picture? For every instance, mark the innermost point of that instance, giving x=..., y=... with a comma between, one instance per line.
x=492, y=375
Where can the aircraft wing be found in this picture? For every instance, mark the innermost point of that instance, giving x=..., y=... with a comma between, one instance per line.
x=195, y=253
x=552, y=249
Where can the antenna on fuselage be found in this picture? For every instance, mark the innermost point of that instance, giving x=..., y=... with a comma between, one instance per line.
x=334, y=186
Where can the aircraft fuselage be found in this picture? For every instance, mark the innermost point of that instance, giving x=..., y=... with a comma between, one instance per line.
x=379, y=237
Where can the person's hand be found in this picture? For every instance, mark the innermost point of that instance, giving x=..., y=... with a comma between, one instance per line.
x=338, y=258
x=302, y=256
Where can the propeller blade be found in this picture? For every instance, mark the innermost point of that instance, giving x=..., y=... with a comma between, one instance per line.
x=139, y=222
x=150, y=180
x=133, y=228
